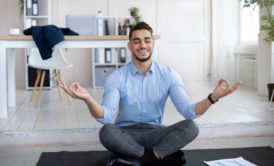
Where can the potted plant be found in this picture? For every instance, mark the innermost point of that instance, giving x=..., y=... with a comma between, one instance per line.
x=267, y=25
x=267, y=20
x=134, y=13
x=21, y=6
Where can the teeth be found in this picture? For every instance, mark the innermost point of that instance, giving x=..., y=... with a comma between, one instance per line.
x=142, y=50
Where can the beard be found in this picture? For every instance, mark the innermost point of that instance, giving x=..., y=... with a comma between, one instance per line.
x=143, y=60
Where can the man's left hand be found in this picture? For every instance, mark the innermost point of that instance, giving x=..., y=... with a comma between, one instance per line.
x=224, y=88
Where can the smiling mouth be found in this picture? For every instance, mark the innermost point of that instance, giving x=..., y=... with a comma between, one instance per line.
x=143, y=51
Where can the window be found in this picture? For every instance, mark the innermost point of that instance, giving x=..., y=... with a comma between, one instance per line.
x=249, y=24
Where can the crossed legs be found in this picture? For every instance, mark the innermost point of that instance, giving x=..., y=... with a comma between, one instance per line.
x=133, y=140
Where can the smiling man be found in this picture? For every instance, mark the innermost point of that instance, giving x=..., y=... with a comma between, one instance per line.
x=137, y=94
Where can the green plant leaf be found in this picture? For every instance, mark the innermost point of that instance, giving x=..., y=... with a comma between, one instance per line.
x=21, y=6
x=267, y=20
x=134, y=13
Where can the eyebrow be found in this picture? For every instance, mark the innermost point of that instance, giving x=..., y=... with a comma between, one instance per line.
x=146, y=38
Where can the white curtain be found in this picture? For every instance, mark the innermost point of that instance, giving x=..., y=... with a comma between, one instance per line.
x=224, y=38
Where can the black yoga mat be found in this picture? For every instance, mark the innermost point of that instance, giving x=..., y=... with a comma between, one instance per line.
x=262, y=156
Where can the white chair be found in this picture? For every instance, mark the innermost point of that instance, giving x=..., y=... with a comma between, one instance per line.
x=55, y=64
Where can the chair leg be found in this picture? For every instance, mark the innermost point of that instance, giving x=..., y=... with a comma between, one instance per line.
x=41, y=87
x=35, y=84
x=61, y=78
x=57, y=79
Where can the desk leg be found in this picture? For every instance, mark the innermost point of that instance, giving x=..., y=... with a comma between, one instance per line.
x=3, y=84
x=11, y=78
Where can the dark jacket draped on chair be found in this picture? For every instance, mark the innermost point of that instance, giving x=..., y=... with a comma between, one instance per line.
x=46, y=37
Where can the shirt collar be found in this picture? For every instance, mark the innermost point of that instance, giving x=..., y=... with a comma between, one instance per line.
x=134, y=70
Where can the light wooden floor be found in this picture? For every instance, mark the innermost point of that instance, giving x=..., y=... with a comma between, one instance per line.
x=241, y=115
x=242, y=119
x=243, y=106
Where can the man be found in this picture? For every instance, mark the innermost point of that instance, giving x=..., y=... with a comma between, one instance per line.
x=138, y=92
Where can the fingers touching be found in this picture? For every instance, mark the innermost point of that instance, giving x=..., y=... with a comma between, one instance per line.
x=69, y=90
x=237, y=85
x=224, y=88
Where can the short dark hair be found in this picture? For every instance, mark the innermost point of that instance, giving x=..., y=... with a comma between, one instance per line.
x=140, y=26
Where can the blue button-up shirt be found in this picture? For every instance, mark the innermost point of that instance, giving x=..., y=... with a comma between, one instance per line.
x=141, y=98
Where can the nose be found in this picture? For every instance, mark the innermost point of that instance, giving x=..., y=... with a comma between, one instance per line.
x=142, y=44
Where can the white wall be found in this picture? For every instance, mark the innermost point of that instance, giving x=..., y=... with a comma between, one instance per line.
x=10, y=18
x=263, y=65
x=265, y=62
x=184, y=27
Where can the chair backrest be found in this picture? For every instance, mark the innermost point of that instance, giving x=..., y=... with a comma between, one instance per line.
x=57, y=61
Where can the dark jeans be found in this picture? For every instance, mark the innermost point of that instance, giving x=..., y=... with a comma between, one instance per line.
x=131, y=141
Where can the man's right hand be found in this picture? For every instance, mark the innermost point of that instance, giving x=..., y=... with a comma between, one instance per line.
x=75, y=90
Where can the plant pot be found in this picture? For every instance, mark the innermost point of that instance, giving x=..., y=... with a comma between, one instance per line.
x=270, y=87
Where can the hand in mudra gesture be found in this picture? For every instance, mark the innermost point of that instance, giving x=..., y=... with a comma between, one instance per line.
x=224, y=88
x=75, y=90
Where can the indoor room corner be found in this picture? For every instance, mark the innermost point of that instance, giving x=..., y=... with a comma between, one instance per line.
x=196, y=38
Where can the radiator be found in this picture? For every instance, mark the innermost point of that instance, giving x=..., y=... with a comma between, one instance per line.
x=245, y=65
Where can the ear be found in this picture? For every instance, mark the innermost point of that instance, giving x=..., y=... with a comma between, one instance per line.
x=129, y=46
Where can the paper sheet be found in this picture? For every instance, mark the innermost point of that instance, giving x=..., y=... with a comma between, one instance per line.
x=239, y=161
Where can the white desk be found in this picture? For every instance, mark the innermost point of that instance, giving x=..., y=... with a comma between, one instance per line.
x=8, y=44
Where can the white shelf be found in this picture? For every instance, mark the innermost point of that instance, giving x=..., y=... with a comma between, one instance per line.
x=105, y=64
x=37, y=17
x=101, y=69
x=43, y=18
x=121, y=64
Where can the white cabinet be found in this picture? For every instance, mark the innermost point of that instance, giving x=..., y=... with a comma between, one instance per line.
x=36, y=12
x=106, y=60
x=103, y=65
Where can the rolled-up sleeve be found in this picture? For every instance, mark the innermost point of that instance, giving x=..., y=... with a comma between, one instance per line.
x=179, y=97
x=111, y=99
